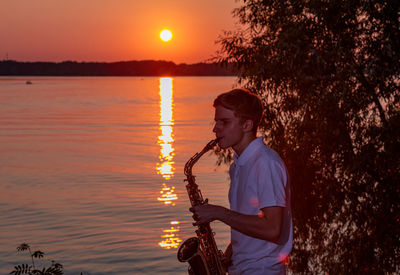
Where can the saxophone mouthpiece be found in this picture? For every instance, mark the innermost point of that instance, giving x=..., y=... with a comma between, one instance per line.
x=209, y=145
x=213, y=143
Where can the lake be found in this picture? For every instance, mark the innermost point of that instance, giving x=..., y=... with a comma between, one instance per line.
x=91, y=170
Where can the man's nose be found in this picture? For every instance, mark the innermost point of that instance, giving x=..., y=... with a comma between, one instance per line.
x=215, y=128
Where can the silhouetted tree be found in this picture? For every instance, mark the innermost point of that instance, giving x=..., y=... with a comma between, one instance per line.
x=328, y=74
x=54, y=269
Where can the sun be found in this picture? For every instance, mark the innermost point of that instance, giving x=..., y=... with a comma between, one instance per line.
x=166, y=35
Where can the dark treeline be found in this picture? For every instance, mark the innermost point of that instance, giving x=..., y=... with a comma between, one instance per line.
x=123, y=68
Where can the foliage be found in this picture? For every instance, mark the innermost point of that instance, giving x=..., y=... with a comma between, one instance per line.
x=328, y=74
x=54, y=269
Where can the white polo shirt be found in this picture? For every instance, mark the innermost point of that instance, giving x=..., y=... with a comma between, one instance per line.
x=258, y=180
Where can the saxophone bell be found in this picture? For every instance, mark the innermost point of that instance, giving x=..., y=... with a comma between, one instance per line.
x=190, y=252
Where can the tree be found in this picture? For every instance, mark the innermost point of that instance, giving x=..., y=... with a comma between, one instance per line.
x=54, y=269
x=328, y=74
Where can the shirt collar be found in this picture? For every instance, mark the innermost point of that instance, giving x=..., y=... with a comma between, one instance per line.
x=249, y=151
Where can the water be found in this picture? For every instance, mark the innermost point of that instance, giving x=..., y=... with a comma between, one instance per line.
x=91, y=170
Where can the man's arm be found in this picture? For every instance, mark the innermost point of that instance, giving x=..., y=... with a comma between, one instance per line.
x=266, y=226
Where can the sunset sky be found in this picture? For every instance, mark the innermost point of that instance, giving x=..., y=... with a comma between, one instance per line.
x=112, y=30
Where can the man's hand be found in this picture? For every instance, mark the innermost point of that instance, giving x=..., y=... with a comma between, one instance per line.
x=227, y=260
x=206, y=213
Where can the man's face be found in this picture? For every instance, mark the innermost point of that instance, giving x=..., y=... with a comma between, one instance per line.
x=228, y=128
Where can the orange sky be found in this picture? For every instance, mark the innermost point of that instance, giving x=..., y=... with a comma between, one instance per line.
x=112, y=30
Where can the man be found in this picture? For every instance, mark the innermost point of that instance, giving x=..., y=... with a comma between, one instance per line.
x=259, y=195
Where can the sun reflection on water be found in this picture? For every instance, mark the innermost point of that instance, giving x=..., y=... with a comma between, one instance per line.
x=170, y=237
x=167, y=195
x=166, y=139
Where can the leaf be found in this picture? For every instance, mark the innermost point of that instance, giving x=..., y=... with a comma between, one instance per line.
x=58, y=265
x=36, y=272
x=23, y=246
x=53, y=271
x=21, y=269
x=38, y=254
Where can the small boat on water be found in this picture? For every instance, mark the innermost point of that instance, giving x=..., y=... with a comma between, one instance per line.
x=28, y=82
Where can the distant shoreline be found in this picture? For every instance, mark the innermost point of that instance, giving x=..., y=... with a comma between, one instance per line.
x=122, y=68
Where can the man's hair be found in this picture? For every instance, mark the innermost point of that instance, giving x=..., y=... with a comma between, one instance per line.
x=243, y=103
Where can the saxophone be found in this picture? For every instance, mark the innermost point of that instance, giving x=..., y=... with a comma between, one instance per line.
x=201, y=252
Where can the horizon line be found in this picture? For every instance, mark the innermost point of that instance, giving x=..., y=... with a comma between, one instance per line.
x=120, y=61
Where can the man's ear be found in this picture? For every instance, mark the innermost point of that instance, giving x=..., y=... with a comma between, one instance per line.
x=248, y=125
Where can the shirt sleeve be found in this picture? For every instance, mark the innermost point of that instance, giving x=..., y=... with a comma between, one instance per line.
x=271, y=184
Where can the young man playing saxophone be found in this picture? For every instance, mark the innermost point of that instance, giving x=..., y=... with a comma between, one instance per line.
x=259, y=195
